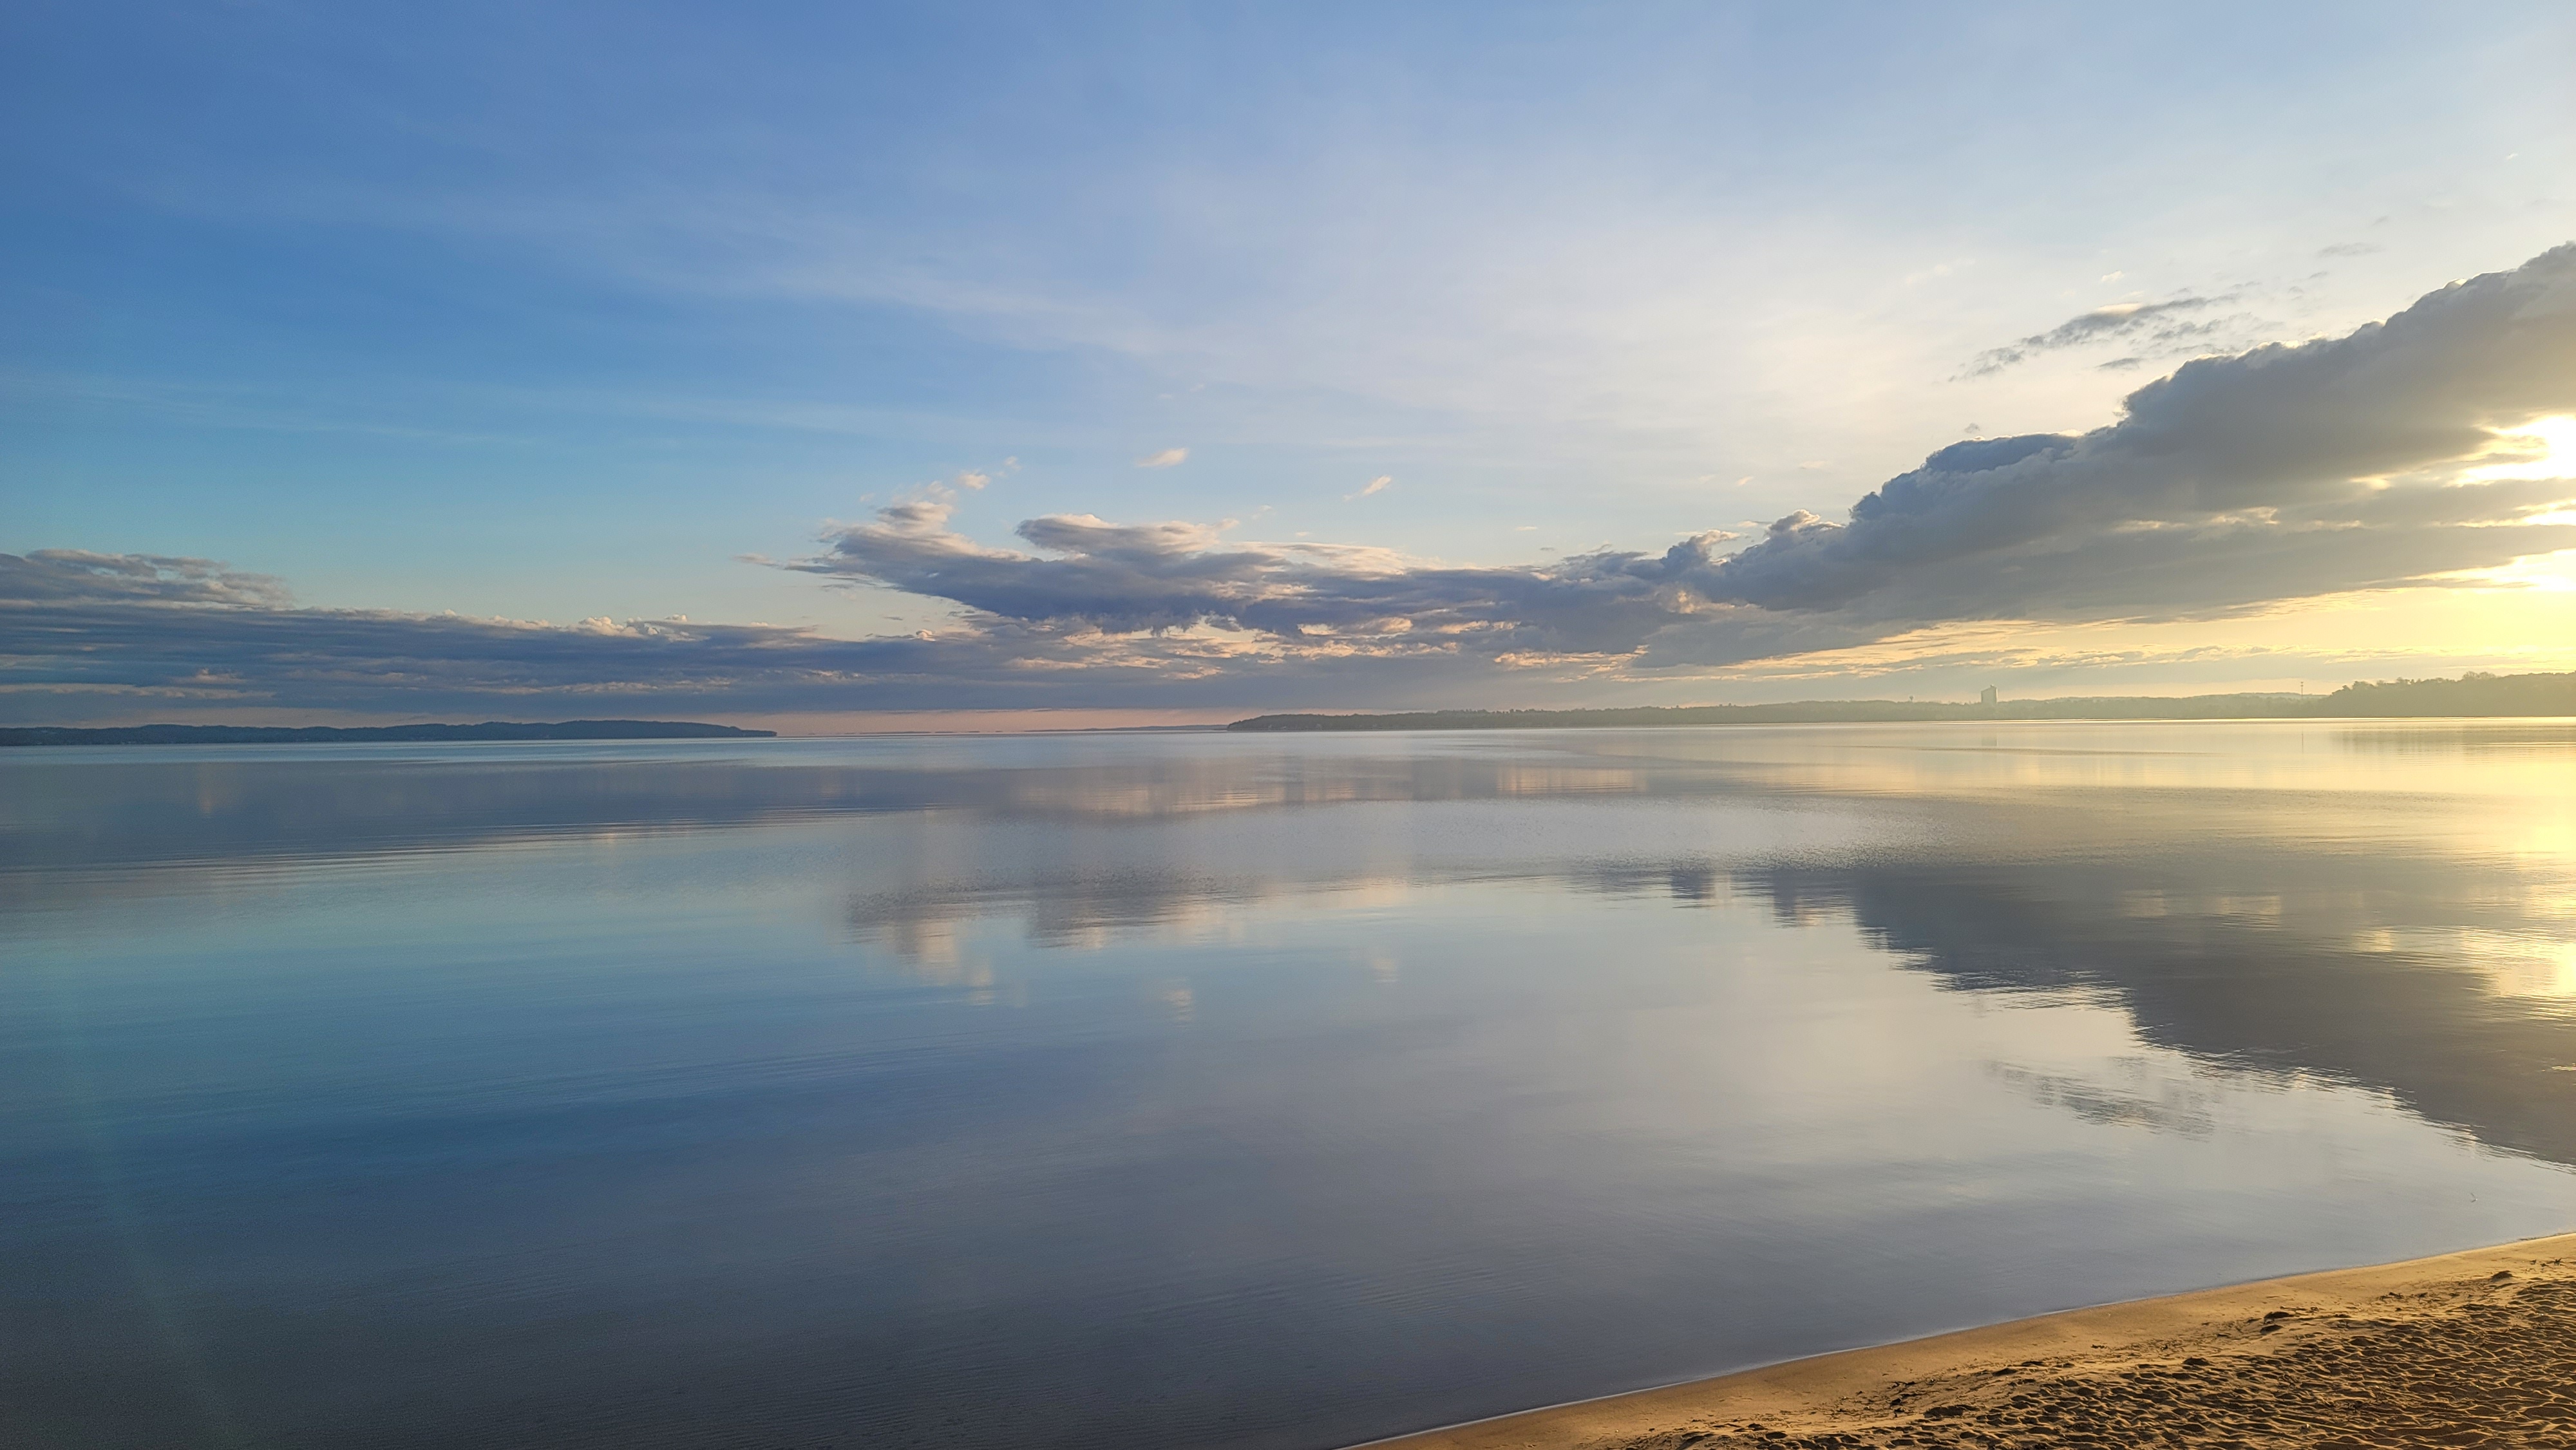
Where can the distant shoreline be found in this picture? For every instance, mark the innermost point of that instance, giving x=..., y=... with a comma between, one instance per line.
x=353, y=734
x=2345, y=1357
x=2471, y=697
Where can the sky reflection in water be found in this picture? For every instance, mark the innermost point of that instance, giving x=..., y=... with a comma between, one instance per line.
x=1203, y=1090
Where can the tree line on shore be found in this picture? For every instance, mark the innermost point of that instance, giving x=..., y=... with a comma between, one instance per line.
x=2472, y=695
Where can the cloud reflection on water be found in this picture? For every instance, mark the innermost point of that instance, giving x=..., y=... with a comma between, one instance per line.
x=2388, y=905
x=882, y=1082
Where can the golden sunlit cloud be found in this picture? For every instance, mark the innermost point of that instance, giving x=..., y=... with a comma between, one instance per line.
x=2545, y=448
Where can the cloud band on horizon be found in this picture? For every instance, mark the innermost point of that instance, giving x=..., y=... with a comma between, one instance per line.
x=2287, y=473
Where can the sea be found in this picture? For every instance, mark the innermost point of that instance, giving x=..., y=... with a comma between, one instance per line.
x=1225, y=1090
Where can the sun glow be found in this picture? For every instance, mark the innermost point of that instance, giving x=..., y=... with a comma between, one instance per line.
x=2543, y=448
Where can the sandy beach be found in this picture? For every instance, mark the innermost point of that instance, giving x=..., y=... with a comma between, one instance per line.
x=2474, y=1348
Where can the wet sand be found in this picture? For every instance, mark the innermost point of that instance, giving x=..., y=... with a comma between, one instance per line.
x=2475, y=1348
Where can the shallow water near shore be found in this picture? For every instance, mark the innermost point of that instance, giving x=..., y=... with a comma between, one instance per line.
x=1210, y=1090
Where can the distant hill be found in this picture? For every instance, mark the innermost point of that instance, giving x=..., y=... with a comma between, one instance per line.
x=282, y=734
x=2471, y=695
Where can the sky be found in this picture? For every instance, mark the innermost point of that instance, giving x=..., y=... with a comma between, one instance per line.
x=846, y=367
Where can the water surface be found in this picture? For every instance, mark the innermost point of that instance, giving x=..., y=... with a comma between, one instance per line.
x=1223, y=1090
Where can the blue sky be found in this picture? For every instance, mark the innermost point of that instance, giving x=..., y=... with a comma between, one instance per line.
x=563, y=313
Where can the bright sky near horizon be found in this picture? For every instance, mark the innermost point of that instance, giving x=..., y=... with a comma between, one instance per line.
x=834, y=364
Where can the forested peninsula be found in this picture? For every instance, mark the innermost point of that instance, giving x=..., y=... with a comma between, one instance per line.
x=2472, y=695
x=299, y=734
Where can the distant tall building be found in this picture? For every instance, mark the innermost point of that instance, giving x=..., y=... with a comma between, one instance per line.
x=1986, y=696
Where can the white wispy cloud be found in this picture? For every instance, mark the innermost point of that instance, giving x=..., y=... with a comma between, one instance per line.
x=2158, y=325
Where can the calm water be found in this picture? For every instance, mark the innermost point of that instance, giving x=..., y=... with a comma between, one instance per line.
x=1225, y=1091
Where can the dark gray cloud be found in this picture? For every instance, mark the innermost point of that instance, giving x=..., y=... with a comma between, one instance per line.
x=188, y=629
x=61, y=575
x=2155, y=323
x=1175, y=575
x=2332, y=459
x=109, y=636
x=2287, y=472
x=2279, y=474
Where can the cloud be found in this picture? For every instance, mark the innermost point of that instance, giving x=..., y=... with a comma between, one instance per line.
x=2285, y=472
x=1168, y=458
x=49, y=576
x=2411, y=453
x=1378, y=484
x=975, y=480
x=2154, y=320
x=1176, y=576
x=116, y=652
